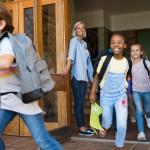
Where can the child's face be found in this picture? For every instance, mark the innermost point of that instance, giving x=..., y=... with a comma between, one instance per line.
x=2, y=25
x=136, y=51
x=117, y=43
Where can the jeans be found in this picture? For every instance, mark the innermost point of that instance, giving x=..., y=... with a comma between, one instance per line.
x=36, y=127
x=2, y=145
x=141, y=99
x=79, y=91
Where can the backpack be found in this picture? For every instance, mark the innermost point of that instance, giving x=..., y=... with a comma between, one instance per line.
x=145, y=65
x=33, y=71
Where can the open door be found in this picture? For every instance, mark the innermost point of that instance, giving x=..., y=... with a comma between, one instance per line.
x=46, y=22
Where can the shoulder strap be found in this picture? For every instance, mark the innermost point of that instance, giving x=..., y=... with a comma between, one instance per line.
x=130, y=66
x=98, y=58
x=3, y=36
x=145, y=65
x=104, y=67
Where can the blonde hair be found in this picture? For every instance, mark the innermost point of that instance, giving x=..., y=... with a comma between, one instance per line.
x=75, y=26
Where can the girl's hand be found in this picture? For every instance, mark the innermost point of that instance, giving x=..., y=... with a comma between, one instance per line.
x=92, y=97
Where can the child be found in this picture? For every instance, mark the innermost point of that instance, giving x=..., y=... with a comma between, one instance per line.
x=10, y=90
x=141, y=88
x=113, y=89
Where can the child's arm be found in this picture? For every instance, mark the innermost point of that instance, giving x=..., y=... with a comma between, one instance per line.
x=93, y=95
x=129, y=89
x=6, y=61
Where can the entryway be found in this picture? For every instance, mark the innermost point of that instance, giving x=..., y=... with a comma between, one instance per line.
x=102, y=18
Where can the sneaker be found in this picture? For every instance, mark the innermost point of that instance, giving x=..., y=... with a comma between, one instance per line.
x=141, y=136
x=148, y=122
x=90, y=130
x=133, y=120
x=86, y=133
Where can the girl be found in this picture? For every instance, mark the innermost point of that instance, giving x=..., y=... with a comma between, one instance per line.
x=81, y=73
x=141, y=88
x=10, y=89
x=113, y=90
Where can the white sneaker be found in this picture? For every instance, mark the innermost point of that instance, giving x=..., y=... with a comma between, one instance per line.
x=141, y=136
x=148, y=122
x=133, y=120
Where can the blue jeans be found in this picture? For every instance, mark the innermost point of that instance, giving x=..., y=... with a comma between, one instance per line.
x=79, y=91
x=36, y=127
x=141, y=99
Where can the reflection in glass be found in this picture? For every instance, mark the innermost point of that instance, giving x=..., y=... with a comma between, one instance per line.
x=49, y=53
x=28, y=22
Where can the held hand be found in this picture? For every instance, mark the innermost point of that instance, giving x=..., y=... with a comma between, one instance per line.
x=65, y=71
x=92, y=97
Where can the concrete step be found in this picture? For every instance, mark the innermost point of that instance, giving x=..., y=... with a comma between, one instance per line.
x=94, y=139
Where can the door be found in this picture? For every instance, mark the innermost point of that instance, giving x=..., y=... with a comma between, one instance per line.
x=46, y=22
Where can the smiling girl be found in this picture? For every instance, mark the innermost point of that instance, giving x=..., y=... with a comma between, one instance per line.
x=113, y=90
x=141, y=88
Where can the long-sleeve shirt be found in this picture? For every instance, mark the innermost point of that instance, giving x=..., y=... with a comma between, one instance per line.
x=82, y=68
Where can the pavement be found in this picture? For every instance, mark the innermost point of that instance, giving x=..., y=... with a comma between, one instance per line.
x=75, y=143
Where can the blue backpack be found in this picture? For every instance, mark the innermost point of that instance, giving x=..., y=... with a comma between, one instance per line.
x=33, y=71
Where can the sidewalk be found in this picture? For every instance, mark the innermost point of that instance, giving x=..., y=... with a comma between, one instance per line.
x=76, y=143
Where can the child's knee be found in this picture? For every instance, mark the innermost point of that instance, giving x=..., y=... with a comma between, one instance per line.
x=106, y=123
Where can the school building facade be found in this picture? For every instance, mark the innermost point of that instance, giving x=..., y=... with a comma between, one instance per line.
x=49, y=24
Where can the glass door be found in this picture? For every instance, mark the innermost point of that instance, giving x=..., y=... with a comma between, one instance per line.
x=54, y=52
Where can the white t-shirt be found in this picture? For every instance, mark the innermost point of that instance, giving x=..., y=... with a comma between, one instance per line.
x=11, y=83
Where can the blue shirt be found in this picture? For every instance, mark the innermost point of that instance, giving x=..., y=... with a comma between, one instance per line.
x=82, y=68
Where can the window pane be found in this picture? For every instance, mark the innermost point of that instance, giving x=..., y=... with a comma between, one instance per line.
x=28, y=22
x=49, y=53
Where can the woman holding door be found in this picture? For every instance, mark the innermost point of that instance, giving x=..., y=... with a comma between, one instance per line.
x=81, y=72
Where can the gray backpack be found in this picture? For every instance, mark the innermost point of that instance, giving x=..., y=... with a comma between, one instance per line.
x=33, y=71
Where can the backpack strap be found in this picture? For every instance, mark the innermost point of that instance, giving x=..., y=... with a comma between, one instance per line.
x=130, y=66
x=3, y=36
x=104, y=67
x=145, y=65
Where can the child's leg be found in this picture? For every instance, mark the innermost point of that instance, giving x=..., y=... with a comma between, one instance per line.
x=121, y=117
x=146, y=99
x=131, y=108
x=5, y=117
x=137, y=97
x=107, y=105
x=39, y=133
